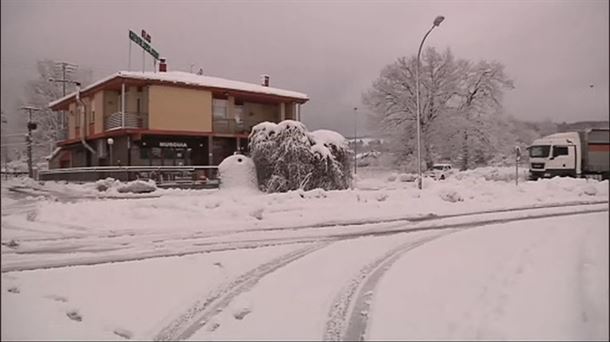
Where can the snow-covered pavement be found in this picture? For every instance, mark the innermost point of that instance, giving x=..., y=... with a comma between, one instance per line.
x=461, y=259
x=541, y=279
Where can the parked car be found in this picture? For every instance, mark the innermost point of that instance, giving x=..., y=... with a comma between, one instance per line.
x=440, y=171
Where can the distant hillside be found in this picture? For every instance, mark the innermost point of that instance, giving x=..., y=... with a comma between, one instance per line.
x=574, y=126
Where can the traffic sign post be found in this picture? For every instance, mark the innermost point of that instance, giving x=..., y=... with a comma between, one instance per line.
x=517, y=159
x=144, y=44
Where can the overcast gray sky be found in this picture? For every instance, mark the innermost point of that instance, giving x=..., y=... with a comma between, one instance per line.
x=330, y=50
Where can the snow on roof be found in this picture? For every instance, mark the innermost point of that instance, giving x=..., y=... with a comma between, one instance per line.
x=557, y=138
x=180, y=77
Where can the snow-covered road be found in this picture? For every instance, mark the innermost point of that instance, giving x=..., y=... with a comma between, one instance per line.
x=540, y=279
x=528, y=279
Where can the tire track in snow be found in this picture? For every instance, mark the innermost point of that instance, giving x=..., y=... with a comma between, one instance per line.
x=203, y=247
x=199, y=234
x=202, y=311
x=349, y=310
x=348, y=316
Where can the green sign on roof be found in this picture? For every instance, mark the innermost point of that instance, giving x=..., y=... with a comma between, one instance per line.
x=143, y=44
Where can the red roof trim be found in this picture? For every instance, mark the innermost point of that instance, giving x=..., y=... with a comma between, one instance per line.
x=137, y=133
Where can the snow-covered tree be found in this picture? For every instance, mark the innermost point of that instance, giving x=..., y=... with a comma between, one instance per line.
x=39, y=93
x=288, y=157
x=457, y=98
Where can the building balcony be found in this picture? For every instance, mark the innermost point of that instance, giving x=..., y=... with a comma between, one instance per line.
x=132, y=120
x=233, y=127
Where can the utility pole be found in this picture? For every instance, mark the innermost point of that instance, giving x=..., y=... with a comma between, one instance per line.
x=31, y=127
x=4, y=150
x=66, y=69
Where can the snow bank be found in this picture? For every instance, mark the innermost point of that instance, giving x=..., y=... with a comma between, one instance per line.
x=136, y=186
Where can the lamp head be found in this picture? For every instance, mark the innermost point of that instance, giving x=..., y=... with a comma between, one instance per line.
x=438, y=20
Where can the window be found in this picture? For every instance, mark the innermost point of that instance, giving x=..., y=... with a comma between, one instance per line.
x=138, y=106
x=77, y=118
x=169, y=153
x=144, y=152
x=92, y=119
x=219, y=108
x=560, y=151
x=539, y=151
x=239, y=112
x=155, y=153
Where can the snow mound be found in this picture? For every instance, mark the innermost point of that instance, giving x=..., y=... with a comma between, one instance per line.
x=450, y=195
x=113, y=185
x=407, y=177
x=238, y=172
x=137, y=186
x=589, y=190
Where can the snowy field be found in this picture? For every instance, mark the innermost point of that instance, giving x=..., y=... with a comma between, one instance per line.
x=471, y=257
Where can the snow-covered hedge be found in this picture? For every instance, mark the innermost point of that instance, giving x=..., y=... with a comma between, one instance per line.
x=136, y=186
x=288, y=157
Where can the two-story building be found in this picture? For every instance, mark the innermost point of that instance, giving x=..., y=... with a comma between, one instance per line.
x=166, y=118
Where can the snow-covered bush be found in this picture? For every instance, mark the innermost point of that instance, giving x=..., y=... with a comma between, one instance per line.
x=137, y=186
x=288, y=157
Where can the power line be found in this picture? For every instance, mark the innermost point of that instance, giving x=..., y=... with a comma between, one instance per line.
x=15, y=134
x=22, y=143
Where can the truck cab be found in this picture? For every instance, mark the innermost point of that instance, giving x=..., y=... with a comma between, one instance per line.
x=555, y=155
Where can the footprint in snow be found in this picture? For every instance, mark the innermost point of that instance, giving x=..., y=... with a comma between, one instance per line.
x=241, y=313
x=124, y=333
x=213, y=326
x=74, y=315
x=57, y=298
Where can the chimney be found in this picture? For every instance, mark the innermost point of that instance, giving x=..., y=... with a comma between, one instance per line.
x=265, y=80
x=162, y=65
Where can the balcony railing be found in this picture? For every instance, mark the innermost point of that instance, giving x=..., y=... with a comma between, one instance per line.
x=132, y=120
x=231, y=126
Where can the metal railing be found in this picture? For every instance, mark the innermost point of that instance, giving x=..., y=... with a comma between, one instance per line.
x=132, y=120
x=232, y=126
x=163, y=175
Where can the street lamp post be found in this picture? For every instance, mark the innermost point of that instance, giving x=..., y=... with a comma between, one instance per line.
x=437, y=21
x=110, y=142
x=355, y=140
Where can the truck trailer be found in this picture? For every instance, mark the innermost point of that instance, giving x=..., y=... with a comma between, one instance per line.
x=575, y=154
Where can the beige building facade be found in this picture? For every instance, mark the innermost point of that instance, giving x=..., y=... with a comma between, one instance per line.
x=166, y=119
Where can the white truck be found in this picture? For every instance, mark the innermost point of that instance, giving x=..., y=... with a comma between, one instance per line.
x=575, y=154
